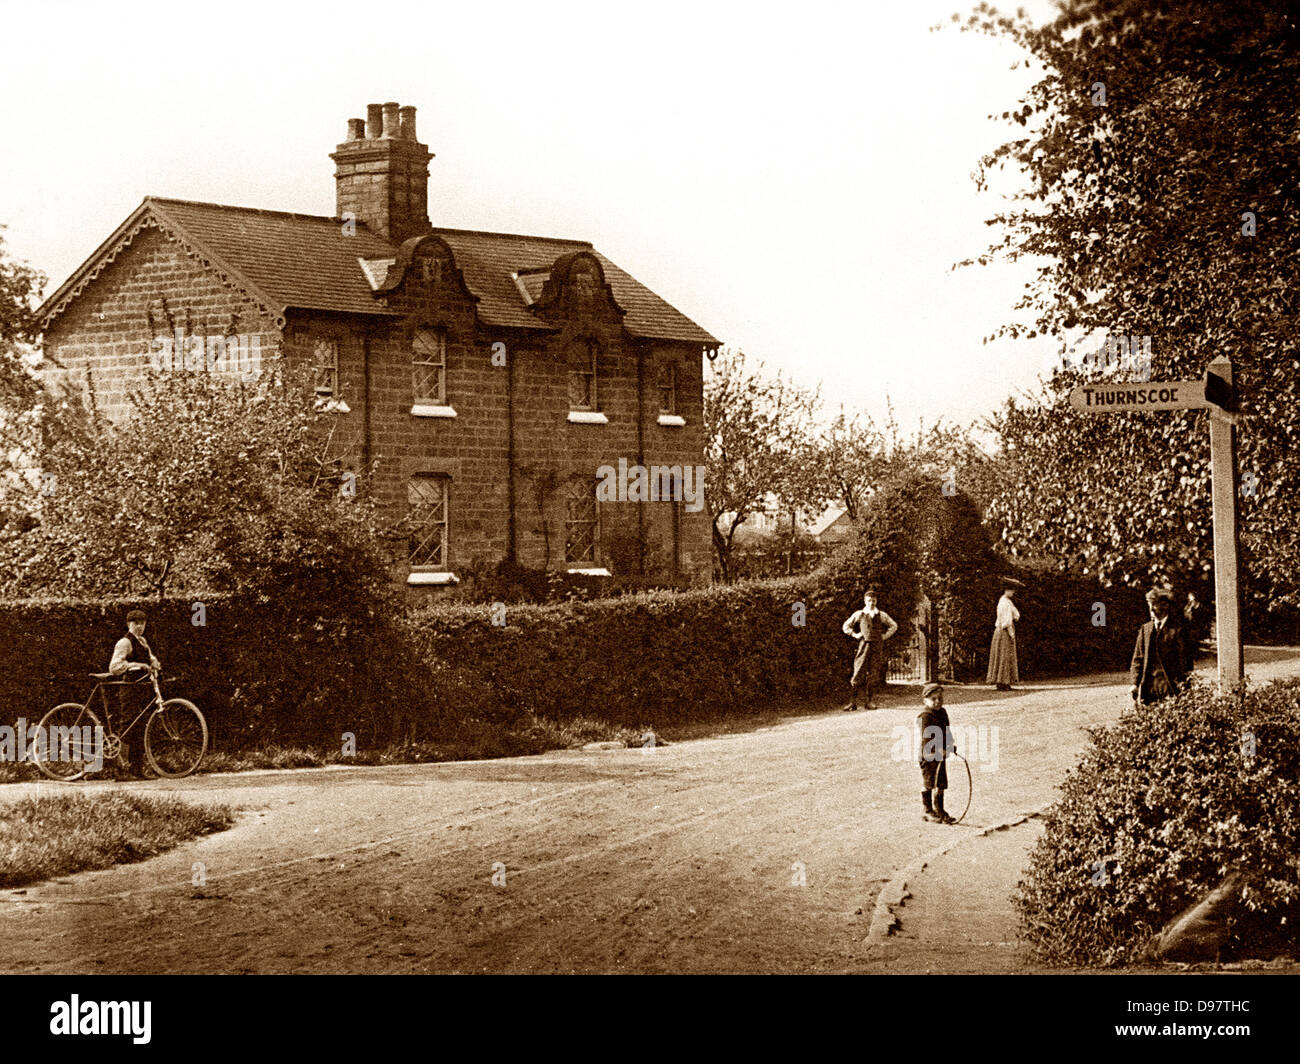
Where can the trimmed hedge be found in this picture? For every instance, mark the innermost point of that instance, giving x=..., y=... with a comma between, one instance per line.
x=54, y=645
x=1056, y=634
x=258, y=676
x=1162, y=807
x=638, y=659
x=288, y=670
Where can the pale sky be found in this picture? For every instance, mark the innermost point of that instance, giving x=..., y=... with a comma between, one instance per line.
x=795, y=178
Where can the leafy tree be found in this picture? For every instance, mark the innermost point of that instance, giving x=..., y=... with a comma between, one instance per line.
x=211, y=483
x=853, y=459
x=850, y=462
x=757, y=431
x=20, y=288
x=1161, y=163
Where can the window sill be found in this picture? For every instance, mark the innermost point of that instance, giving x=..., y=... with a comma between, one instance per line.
x=672, y=419
x=588, y=417
x=590, y=572
x=429, y=578
x=327, y=405
x=426, y=410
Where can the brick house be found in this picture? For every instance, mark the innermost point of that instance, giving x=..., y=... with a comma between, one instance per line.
x=489, y=377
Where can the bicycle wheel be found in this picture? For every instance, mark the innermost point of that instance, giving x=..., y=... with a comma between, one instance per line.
x=175, y=738
x=70, y=742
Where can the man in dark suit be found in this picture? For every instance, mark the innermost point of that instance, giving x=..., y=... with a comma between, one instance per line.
x=1162, y=659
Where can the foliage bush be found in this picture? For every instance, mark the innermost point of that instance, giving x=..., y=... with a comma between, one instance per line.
x=1163, y=805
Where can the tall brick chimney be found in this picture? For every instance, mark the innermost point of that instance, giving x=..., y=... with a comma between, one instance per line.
x=382, y=173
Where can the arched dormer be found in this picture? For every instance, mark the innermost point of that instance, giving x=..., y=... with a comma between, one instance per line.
x=422, y=261
x=577, y=285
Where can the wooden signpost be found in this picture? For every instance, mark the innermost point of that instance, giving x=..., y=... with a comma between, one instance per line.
x=1213, y=392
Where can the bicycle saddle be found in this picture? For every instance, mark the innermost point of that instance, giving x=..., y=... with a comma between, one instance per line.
x=101, y=676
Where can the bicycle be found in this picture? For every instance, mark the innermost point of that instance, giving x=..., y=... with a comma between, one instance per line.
x=175, y=734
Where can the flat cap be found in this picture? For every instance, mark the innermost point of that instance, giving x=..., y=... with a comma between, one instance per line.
x=930, y=689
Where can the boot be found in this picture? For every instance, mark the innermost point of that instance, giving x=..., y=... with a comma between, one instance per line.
x=940, y=814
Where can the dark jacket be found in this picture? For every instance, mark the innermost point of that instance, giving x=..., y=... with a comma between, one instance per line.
x=1168, y=647
x=936, y=745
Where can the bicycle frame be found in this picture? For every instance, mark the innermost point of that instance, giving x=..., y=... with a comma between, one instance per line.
x=100, y=687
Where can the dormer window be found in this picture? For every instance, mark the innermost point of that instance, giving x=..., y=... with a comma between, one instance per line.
x=429, y=366
x=582, y=375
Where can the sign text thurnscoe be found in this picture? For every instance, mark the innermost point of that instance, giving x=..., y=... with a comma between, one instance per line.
x=1157, y=395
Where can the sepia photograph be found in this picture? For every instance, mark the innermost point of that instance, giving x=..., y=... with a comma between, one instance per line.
x=704, y=489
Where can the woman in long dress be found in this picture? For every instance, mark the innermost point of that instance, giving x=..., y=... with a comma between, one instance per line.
x=1002, y=655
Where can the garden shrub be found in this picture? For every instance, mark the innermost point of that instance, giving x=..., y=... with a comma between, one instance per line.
x=1161, y=808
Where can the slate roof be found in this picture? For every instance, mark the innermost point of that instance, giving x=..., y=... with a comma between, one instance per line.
x=305, y=261
x=298, y=260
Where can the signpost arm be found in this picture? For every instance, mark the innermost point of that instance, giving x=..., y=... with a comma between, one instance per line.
x=1223, y=482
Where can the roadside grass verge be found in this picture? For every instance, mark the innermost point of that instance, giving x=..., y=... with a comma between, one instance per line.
x=467, y=740
x=477, y=740
x=57, y=834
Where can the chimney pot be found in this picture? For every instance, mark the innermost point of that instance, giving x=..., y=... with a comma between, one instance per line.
x=407, y=122
x=382, y=173
x=390, y=121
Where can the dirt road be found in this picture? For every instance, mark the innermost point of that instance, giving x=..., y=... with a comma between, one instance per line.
x=755, y=852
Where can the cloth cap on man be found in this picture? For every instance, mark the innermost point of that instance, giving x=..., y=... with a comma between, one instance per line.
x=137, y=615
x=930, y=689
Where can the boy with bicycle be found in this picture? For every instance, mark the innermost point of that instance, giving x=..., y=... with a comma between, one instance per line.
x=133, y=659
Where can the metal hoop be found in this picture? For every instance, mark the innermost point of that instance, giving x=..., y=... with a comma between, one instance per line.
x=970, y=788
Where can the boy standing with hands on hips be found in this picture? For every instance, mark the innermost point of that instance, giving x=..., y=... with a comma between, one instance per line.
x=871, y=627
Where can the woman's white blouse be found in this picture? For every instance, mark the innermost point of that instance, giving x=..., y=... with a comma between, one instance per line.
x=1007, y=614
